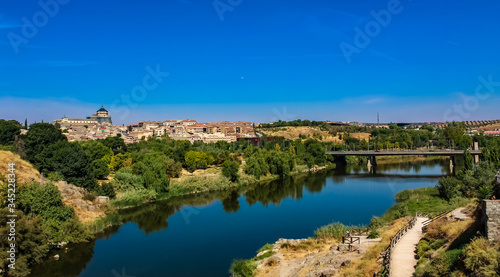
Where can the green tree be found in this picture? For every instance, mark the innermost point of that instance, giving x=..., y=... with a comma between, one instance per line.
x=9, y=129
x=153, y=169
x=39, y=137
x=449, y=187
x=230, y=170
x=31, y=243
x=69, y=159
x=469, y=161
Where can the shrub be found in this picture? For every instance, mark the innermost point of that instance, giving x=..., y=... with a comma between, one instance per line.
x=373, y=234
x=55, y=176
x=90, y=196
x=334, y=230
x=449, y=187
x=106, y=189
x=242, y=268
x=481, y=258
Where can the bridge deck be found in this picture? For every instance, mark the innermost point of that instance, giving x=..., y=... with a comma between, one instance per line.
x=401, y=153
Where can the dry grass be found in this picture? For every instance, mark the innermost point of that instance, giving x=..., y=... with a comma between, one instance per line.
x=25, y=172
x=360, y=136
x=294, y=132
x=367, y=265
x=449, y=230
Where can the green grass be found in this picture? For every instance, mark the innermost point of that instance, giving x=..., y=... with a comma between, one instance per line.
x=423, y=200
x=246, y=268
x=334, y=230
x=134, y=198
x=200, y=183
x=265, y=247
x=331, y=231
x=101, y=224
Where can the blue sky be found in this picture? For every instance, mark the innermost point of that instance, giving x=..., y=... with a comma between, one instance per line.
x=253, y=60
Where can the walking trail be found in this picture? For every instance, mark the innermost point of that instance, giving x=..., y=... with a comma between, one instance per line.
x=403, y=256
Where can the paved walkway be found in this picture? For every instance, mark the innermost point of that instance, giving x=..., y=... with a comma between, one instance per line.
x=459, y=215
x=403, y=256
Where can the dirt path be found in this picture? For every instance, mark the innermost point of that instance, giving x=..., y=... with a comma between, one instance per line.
x=403, y=257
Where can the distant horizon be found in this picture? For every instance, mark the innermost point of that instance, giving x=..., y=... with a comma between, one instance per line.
x=257, y=61
x=276, y=119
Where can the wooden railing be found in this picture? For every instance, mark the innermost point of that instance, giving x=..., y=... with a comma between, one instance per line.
x=394, y=240
x=430, y=220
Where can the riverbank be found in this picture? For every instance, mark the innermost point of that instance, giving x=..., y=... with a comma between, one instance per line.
x=210, y=180
x=367, y=261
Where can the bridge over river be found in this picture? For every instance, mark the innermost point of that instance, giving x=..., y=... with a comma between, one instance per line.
x=372, y=154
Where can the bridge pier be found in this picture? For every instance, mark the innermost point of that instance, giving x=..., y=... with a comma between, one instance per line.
x=452, y=164
x=475, y=146
x=372, y=161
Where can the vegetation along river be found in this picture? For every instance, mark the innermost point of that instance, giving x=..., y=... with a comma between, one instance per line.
x=200, y=235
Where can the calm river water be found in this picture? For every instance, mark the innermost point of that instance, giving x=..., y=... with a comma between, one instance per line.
x=201, y=235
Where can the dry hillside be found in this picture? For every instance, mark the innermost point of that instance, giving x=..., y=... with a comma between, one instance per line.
x=25, y=172
x=72, y=196
x=294, y=132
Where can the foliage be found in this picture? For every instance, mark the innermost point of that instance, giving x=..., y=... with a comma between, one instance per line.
x=198, y=160
x=9, y=129
x=69, y=159
x=242, y=268
x=45, y=201
x=230, y=170
x=449, y=187
x=31, y=243
x=40, y=136
x=153, y=169
x=334, y=230
x=107, y=189
x=482, y=258
x=256, y=165
x=125, y=180
x=470, y=183
x=134, y=198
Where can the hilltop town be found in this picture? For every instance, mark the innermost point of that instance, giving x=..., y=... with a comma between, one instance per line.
x=100, y=126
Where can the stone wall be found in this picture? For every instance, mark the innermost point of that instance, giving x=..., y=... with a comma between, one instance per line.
x=491, y=219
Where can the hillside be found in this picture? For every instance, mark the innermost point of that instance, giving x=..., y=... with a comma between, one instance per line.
x=73, y=196
x=25, y=172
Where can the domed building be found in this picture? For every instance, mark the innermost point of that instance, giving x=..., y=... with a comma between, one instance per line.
x=101, y=116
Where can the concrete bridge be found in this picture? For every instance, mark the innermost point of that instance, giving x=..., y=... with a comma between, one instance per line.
x=372, y=154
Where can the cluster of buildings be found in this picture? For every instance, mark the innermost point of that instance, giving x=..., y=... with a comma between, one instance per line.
x=100, y=126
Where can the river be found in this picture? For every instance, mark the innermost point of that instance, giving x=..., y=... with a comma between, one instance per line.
x=200, y=235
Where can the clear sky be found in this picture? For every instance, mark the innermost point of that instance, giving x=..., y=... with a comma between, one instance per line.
x=255, y=60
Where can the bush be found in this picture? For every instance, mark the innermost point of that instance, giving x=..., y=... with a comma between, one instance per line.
x=373, y=234
x=90, y=196
x=126, y=180
x=332, y=231
x=106, y=189
x=449, y=187
x=242, y=268
x=481, y=258
x=55, y=176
